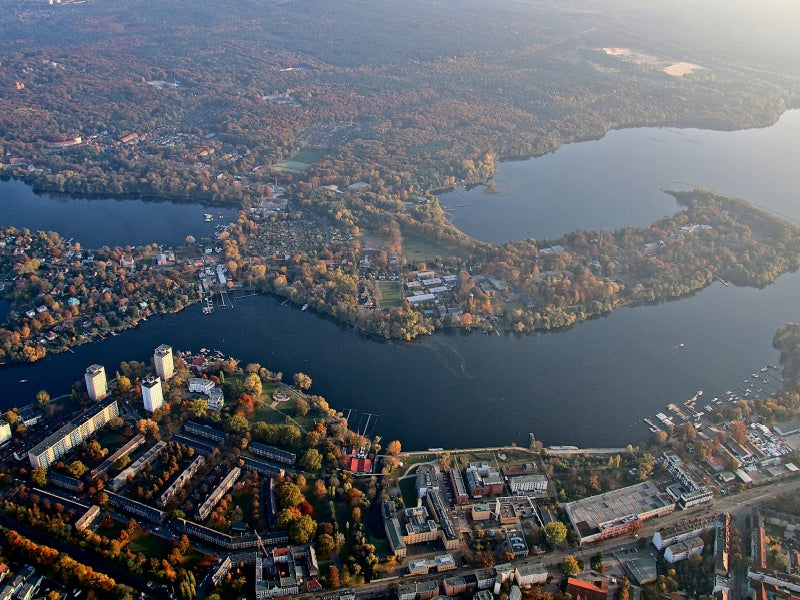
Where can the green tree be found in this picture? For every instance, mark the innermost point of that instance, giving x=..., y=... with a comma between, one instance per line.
x=121, y=463
x=77, y=469
x=311, y=460
x=301, y=408
x=556, y=532
x=288, y=494
x=570, y=566
x=302, y=530
x=252, y=385
x=237, y=424
x=198, y=408
x=39, y=476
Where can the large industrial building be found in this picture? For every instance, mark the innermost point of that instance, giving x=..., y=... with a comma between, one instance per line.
x=618, y=512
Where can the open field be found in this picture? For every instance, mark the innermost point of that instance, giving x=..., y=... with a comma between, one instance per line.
x=420, y=249
x=370, y=240
x=300, y=162
x=390, y=293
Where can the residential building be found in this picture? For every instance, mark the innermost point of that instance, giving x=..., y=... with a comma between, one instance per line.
x=483, y=479
x=180, y=481
x=481, y=512
x=690, y=492
x=681, y=550
x=213, y=499
x=73, y=433
x=119, y=481
x=683, y=531
x=200, y=385
x=216, y=399
x=162, y=358
x=5, y=432
x=152, y=395
x=276, y=454
x=427, y=479
x=526, y=575
x=587, y=590
x=459, y=488
x=454, y=585
x=204, y=431
x=285, y=570
x=534, y=484
x=96, y=384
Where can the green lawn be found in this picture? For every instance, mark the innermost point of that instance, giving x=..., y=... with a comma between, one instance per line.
x=409, y=490
x=151, y=546
x=417, y=249
x=300, y=162
x=111, y=533
x=390, y=293
x=244, y=500
x=309, y=156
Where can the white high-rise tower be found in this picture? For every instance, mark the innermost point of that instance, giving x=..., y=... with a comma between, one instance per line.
x=152, y=396
x=96, y=385
x=163, y=361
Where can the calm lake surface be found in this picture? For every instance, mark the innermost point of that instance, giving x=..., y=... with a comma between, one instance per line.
x=589, y=386
x=110, y=222
x=617, y=181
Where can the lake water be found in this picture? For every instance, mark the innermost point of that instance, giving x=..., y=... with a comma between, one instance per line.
x=589, y=386
x=617, y=181
x=110, y=222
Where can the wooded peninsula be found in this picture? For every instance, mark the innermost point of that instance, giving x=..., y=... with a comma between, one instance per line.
x=333, y=145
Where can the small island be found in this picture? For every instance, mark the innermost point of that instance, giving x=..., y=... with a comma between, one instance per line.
x=193, y=476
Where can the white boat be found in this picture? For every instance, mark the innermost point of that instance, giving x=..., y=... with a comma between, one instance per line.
x=305, y=306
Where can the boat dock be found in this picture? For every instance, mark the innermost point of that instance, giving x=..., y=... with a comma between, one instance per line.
x=767, y=381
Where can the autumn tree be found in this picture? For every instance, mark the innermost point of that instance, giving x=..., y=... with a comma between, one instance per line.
x=332, y=579
x=556, y=532
x=738, y=431
x=570, y=566
x=43, y=398
x=39, y=476
x=311, y=460
x=394, y=448
x=302, y=381
x=252, y=385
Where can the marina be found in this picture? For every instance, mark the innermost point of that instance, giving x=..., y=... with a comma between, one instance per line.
x=766, y=382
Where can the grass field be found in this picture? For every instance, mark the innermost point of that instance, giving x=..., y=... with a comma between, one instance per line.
x=407, y=487
x=390, y=293
x=151, y=546
x=300, y=162
x=417, y=249
x=370, y=240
